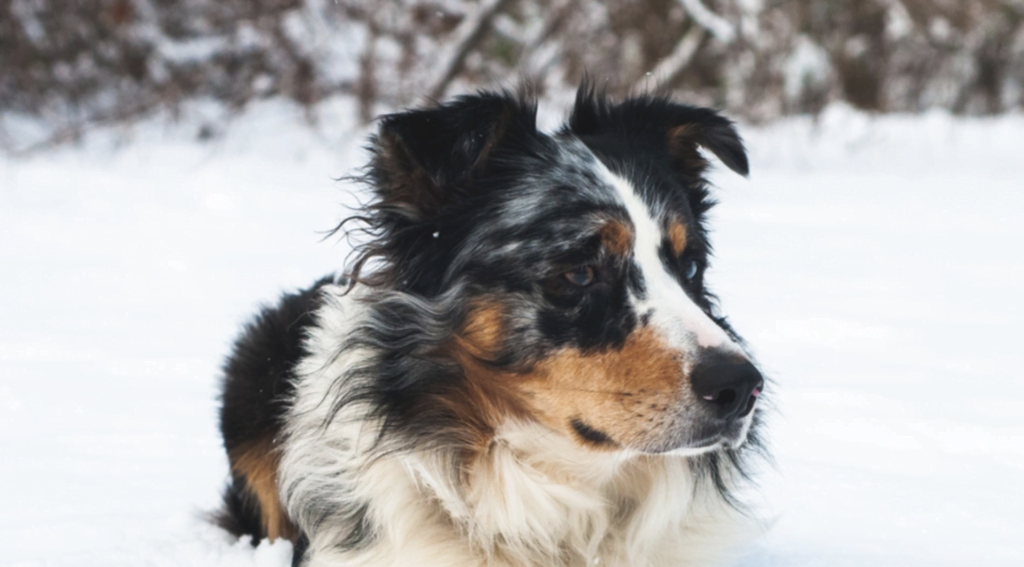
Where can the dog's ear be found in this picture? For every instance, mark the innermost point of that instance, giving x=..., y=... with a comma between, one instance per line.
x=657, y=124
x=424, y=160
x=691, y=127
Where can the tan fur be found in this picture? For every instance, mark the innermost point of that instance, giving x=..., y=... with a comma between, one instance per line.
x=627, y=393
x=617, y=237
x=257, y=463
x=682, y=145
x=531, y=496
x=487, y=400
x=677, y=237
x=483, y=329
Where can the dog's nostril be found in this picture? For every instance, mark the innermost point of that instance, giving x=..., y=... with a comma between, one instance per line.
x=722, y=398
x=752, y=400
x=729, y=386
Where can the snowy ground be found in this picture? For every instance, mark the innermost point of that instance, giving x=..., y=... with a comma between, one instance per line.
x=873, y=264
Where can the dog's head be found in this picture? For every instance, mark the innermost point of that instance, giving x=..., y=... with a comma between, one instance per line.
x=564, y=272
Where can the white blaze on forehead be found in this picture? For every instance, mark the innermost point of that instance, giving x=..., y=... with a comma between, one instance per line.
x=672, y=311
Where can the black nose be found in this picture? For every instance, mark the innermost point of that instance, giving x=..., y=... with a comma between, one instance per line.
x=728, y=387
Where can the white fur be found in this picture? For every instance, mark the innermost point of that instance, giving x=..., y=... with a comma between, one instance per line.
x=533, y=497
x=682, y=324
x=681, y=321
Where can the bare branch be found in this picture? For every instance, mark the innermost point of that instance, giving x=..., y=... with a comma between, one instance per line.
x=541, y=51
x=716, y=25
x=672, y=66
x=466, y=37
x=558, y=10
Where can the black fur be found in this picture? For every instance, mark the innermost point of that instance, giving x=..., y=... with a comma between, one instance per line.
x=299, y=550
x=445, y=180
x=258, y=380
x=240, y=513
x=452, y=187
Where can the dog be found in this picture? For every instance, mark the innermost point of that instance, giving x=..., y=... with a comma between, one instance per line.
x=522, y=365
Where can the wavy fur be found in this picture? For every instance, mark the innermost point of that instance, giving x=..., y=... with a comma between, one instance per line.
x=532, y=372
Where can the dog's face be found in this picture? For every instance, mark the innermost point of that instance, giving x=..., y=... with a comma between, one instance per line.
x=577, y=260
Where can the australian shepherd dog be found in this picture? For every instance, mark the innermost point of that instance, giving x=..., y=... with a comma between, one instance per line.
x=521, y=366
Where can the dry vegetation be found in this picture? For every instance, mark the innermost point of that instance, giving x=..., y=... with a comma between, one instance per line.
x=83, y=62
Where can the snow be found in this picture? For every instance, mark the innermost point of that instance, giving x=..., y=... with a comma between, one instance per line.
x=872, y=263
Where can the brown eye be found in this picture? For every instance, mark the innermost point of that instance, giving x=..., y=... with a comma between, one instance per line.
x=581, y=276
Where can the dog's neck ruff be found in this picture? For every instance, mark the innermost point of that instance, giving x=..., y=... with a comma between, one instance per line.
x=530, y=497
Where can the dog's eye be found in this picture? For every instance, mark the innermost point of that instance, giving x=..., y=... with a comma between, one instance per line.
x=581, y=276
x=690, y=270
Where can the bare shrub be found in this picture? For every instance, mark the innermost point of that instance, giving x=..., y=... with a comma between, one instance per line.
x=81, y=63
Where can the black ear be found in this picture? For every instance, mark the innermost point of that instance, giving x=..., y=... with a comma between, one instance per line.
x=692, y=127
x=655, y=124
x=424, y=159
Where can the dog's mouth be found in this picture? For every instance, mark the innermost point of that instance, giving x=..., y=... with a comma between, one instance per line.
x=709, y=437
x=685, y=436
x=735, y=434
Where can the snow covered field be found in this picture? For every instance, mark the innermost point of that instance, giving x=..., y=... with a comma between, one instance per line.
x=874, y=265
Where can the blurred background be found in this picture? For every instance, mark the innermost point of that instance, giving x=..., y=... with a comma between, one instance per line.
x=77, y=64
x=166, y=166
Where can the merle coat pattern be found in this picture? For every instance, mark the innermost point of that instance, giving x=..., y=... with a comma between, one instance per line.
x=523, y=365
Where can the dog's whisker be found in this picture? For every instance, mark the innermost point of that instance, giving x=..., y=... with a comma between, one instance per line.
x=587, y=390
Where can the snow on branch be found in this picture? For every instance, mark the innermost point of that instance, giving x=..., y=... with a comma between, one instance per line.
x=706, y=21
x=670, y=67
x=466, y=37
x=542, y=49
x=716, y=25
